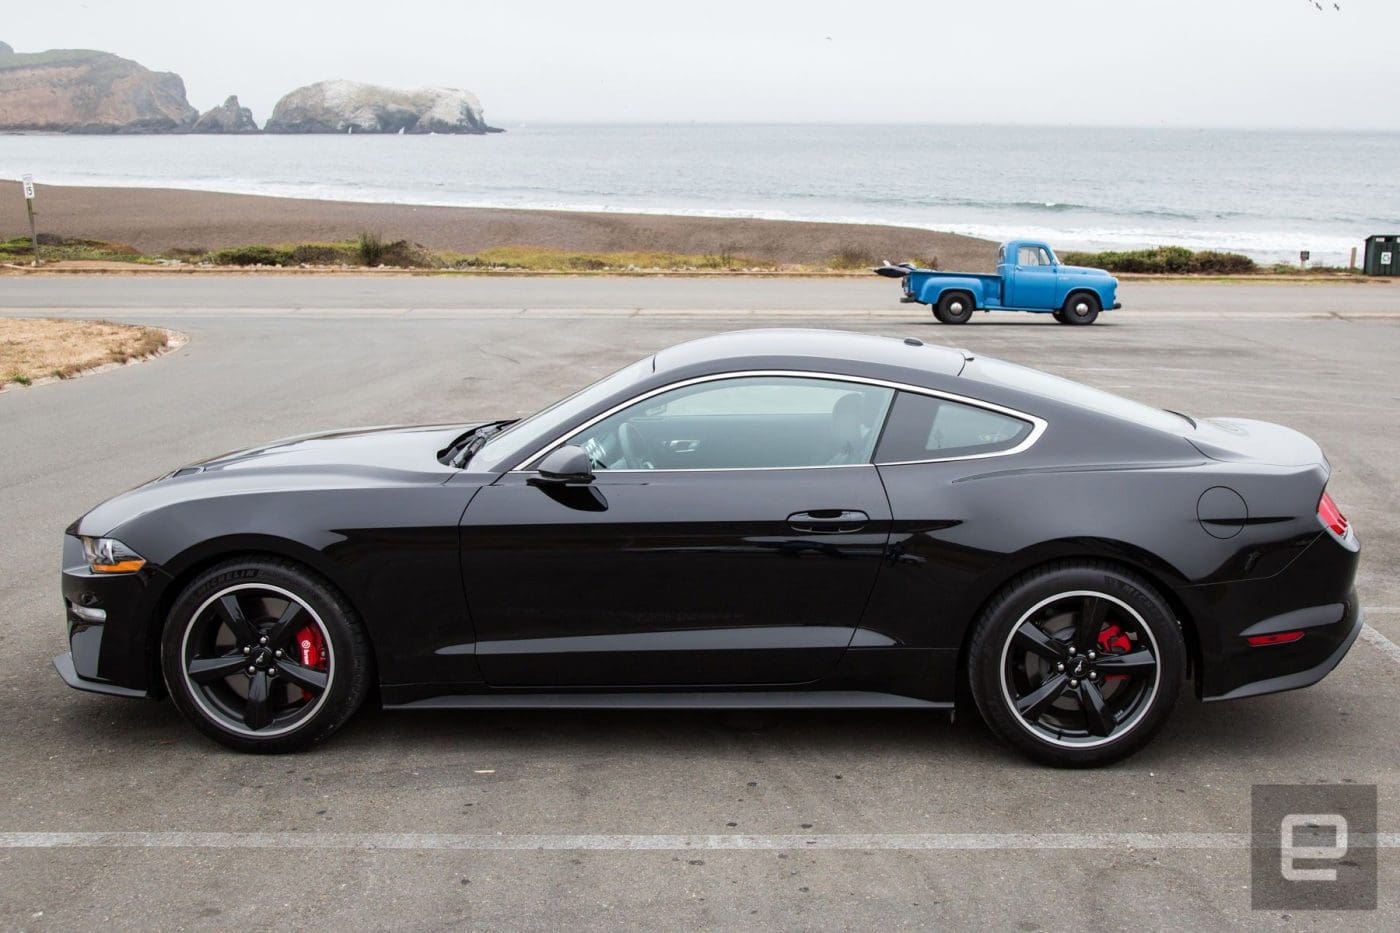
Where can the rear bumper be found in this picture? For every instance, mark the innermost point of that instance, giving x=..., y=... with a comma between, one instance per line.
x=1338, y=637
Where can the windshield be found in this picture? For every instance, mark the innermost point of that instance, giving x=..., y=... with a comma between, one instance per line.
x=521, y=437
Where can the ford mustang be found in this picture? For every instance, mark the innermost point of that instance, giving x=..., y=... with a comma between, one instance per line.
x=776, y=519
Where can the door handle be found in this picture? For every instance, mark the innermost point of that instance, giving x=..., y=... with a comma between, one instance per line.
x=828, y=521
x=683, y=446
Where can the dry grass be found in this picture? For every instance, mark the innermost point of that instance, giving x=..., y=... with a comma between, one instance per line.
x=33, y=348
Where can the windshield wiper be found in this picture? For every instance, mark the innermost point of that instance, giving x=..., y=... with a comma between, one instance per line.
x=466, y=446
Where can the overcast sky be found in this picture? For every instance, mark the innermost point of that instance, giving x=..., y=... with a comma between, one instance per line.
x=1273, y=63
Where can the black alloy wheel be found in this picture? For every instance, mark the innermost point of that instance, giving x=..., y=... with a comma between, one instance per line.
x=1077, y=665
x=268, y=661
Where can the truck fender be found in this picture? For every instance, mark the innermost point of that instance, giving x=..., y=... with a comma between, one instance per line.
x=934, y=289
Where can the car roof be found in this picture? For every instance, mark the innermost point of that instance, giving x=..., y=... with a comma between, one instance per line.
x=814, y=348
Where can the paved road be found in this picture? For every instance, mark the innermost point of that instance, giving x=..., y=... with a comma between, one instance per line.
x=550, y=820
x=614, y=293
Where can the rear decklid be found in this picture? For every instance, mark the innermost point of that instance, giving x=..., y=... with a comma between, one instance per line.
x=1245, y=440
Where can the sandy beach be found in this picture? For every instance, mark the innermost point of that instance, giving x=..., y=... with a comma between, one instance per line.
x=154, y=219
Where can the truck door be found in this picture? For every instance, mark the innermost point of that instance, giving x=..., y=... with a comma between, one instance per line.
x=1032, y=280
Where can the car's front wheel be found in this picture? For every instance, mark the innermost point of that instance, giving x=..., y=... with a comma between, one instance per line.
x=1076, y=664
x=1081, y=308
x=264, y=656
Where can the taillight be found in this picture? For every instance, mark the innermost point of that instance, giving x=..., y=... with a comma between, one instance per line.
x=1331, y=516
x=1276, y=638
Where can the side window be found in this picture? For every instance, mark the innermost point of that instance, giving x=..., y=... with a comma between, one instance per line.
x=1028, y=256
x=1001, y=254
x=1044, y=259
x=742, y=423
x=922, y=427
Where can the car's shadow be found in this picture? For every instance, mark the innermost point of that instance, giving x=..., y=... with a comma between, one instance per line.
x=1028, y=320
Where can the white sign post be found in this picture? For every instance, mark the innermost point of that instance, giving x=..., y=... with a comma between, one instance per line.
x=29, y=204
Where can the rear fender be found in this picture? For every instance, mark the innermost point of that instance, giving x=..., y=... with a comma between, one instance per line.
x=930, y=290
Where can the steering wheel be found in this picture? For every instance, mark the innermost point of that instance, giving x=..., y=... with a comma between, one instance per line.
x=637, y=451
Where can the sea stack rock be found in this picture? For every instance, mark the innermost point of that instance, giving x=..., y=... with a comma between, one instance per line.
x=85, y=91
x=230, y=118
x=352, y=107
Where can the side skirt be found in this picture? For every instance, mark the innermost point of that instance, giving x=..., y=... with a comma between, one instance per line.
x=716, y=700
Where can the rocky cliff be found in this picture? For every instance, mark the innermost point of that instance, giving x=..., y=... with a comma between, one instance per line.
x=352, y=107
x=230, y=118
x=84, y=91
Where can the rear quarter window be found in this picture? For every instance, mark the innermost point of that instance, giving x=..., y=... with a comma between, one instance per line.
x=923, y=427
x=1044, y=385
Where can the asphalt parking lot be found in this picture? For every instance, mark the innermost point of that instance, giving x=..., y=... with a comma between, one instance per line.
x=115, y=813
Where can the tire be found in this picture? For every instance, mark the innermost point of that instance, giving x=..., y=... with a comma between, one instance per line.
x=1059, y=316
x=954, y=308
x=1110, y=698
x=1081, y=308
x=264, y=656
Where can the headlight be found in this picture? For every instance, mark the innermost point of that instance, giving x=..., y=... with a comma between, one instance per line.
x=108, y=555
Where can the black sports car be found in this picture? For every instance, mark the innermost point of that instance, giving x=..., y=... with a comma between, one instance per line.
x=777, y=518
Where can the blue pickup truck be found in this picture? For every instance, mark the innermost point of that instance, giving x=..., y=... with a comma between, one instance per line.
x=1028, y=278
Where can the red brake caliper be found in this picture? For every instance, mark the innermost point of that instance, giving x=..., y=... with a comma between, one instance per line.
x=313, y=652
x=1113, y=640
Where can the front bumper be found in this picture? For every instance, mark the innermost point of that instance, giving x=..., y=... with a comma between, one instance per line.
x=110, y=638
x=63, y=663
x=1116, y=306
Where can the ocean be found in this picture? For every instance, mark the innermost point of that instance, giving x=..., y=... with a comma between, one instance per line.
x=1269, y=194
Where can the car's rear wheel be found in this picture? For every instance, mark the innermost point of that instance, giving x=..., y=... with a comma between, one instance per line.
x=264, y=656
x=954, y=308
x=1076, y=664
x=1081, y=308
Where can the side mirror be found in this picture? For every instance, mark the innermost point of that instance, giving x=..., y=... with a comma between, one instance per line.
x=565, y=466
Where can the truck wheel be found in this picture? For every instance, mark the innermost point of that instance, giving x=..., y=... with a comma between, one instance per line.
x=1081, y=308
x=1058, y=315
x=954, y=308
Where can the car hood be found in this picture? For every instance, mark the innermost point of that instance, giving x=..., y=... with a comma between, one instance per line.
x=1086, y=270
x=397, y=447
x=349, y=459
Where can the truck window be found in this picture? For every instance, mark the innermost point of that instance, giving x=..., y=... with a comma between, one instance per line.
x=1032, y=256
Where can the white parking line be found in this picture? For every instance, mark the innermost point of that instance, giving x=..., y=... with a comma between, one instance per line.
x=1378, y=641
x=627, y=843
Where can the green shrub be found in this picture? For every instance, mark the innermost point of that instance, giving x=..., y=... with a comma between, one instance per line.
x=1217, y=263
x=853, y=257
x=322, y=254
x=1165, y=260
x=252, y=256
x=371, y=249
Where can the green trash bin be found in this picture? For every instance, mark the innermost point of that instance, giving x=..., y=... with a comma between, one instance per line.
x=1382, y=255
